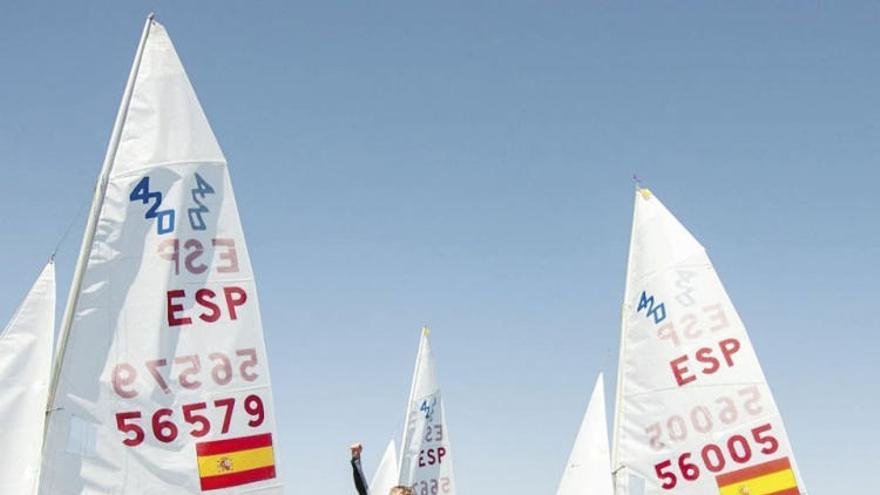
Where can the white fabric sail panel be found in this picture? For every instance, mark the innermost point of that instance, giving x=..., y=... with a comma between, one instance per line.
x=164, y=101
x=164, y=387
x=426, y=453
x=25, y=372
x=696, y=415
x=588, y=471
x=385, y=477
x=652, y=490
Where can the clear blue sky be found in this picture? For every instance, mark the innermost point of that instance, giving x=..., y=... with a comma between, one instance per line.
x=467, y=164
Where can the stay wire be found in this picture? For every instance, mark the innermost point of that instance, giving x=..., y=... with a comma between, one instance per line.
x=70, y=224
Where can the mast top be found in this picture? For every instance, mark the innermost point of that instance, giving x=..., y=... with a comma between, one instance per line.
x=646, y=193
x=426, y=331
x=151, y=16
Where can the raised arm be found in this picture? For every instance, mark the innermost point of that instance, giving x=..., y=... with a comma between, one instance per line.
x=360, y=483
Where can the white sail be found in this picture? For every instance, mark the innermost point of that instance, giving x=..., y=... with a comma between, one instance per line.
x=25, y=369
x=385, y=477
x=588, y=471
x=162, y=383
x=694, y=413
x=426, y=455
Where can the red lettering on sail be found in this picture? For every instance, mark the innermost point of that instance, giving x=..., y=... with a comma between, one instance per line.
x=729, y=347
x=196, y=259
x=174, y=309
x=204, y=305
x=204, y=298
x=706, y=356
x=235, y=296
x=195, y=249
x=429, y=457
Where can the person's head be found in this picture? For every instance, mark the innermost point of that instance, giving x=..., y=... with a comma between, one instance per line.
x=401, y=490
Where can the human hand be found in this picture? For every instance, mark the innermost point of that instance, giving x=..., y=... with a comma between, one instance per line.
x=356, y=449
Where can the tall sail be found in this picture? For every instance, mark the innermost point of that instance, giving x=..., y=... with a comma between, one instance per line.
x=25, y=369
x=385, y=477
x=162, y=382
x=588, y=471
x=694, y=413
x=426, y=462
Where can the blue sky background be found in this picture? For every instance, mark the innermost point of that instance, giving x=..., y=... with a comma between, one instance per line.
x=467, y=165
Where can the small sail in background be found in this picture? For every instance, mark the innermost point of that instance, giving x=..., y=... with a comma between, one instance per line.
x=385, y=476
x=25, y=372
x=426, y=455
x=694, y=412
x=588, y=471
x=162, y=383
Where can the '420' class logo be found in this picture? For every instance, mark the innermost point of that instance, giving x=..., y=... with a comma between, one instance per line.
x=657, y=311
x=428, y=409
x=165, y=219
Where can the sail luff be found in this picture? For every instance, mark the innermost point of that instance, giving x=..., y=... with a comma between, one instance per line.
x=94, y=213
x=618, y=472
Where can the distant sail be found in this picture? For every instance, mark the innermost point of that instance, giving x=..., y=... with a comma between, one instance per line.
x=25, y=370
x=386, y=474
x=426, y=462
x=162, y=383
x=695, y=414
x=588, y=471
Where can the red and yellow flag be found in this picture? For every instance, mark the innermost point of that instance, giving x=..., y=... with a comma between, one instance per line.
x=236, y=461
x=770, y=478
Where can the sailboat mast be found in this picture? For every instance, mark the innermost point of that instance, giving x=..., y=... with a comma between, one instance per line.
x=94, y=212
x=412, y=390
x=616, y=468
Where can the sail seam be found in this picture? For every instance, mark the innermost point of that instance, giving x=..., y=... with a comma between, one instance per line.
x=140, y=170
x=704, y=387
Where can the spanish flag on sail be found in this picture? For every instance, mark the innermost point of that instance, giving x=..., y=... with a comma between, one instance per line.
x=770, y=478
x=236, y=461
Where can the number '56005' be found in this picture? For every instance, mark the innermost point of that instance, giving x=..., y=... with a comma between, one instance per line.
x=714, y=459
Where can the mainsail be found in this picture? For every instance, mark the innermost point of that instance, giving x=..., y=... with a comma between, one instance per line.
x=694, y=412
x=162, y=382
x=588, y=471
x=25, y=370
x=385, y=476
x=426, y=462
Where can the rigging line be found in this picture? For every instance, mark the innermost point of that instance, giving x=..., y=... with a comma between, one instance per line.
x=69, y=228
